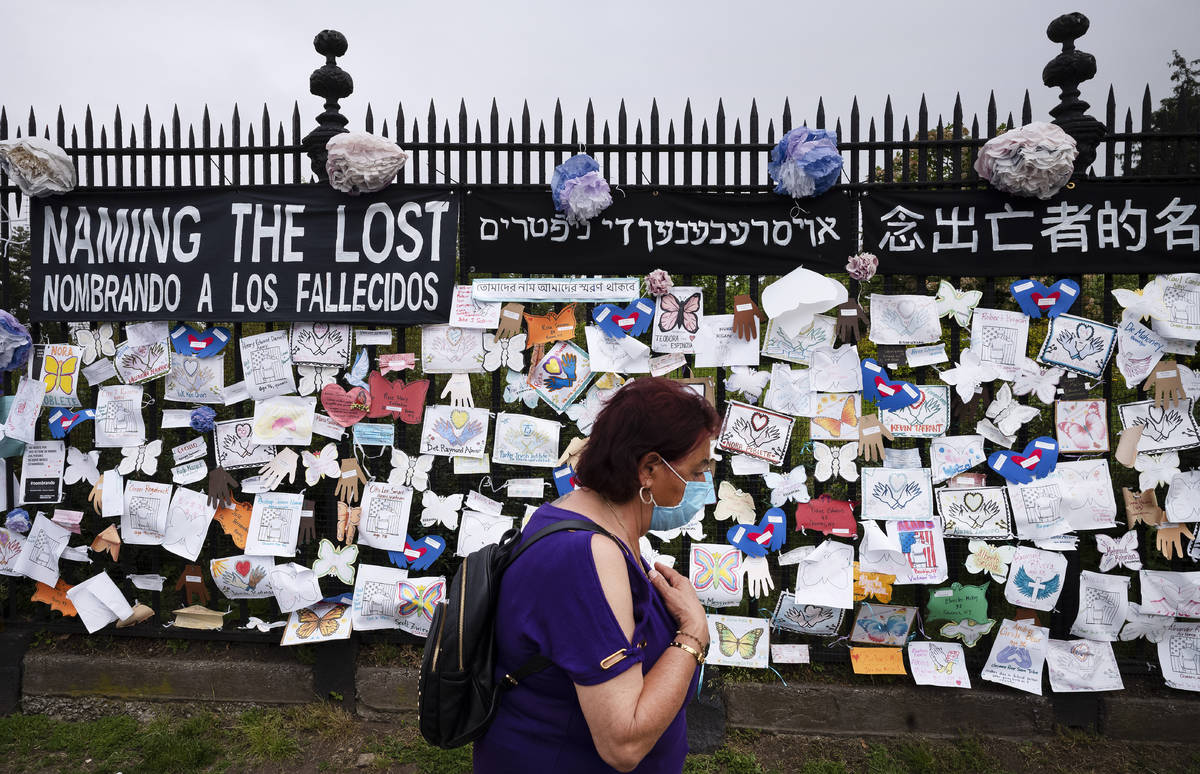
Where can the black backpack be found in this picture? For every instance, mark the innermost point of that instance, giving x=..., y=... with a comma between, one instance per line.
x=457, y=695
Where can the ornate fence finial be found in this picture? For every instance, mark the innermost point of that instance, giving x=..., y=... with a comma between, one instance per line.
x=332, y=83
x=1066, y=71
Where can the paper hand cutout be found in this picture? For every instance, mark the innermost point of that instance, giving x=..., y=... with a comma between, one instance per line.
x=283, y=466
x=746, y=315
x=510, y=321
x=308, y=529
x=553, y=326
x=348, y=481
x=220, y=488
x=870, y=438
x=348, y=519
x=1170, y=540
x=769, y=535
x=758, y=576
x=109, y=540
x=633, y=320
x=1167, y=386
x=850, y=319
x=191, y=580
x=96, y=496
x=573, y=452
x=1038, y=460
x=890, y=394
x=458, y=387
x=62, y=421
x=418, y=554
x=1143, y=507
x=1034, y=298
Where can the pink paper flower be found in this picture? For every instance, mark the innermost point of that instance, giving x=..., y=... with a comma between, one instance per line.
x=659, y=282
x=862, y=266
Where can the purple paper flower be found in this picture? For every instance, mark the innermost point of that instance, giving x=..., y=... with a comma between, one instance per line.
x=659, y=283
x=15, y=342
x=578, y=189
x=1037, y=159
x=862, y=266
x=18, y=520
x=805, y=162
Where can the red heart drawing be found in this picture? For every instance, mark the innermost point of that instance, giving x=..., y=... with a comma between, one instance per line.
x=626, y=323
x=396, y=399
x=758, y=421
x=243, y=567
x=345, y=407
x=1046, y=301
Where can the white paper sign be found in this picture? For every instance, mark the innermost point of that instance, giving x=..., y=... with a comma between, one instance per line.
x=1018, y=656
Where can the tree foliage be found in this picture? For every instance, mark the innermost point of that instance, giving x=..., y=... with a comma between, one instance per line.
x=1179, y=112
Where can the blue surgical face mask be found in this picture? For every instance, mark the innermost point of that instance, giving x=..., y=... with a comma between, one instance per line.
x=695, y=495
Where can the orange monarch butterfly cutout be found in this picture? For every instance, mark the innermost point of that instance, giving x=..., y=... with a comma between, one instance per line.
x=843, y=427
x=327, y=622
x=553, y=326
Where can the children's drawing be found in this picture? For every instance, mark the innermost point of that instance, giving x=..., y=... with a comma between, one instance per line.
x=999, y=337
x=805, y=619
x=274, y=524
x=1103, y=603
x=449, y=431
x=523, y=440
x=990, y=559
x=912, y=550
x=145, y=519
x=377, y=597
x=44, y=545
x=320, y=344
x=835, y=417
x=284, y=420
x=1035, y=509
x=883, y=624
x=140, y=459
x=929, y=417
x=11, y=545
x=1179, y=656
x=790, y=391
x=1087, y=499
x=1018, y=655
x=1081, y=425
x=1078, y=344
x=234, y=447
x=1082, y=665
x=716, y=344
x=583, y=412
x=755, y=432
x=562, y=375
x=196, y=380
x=60, y=372
x=677, y=317
x=466, y=312
x=748, y=382
x=480, y=529
x=243, y=576
x=1138, y=350
x=799, y=348
x=1170, y=593
x=448, y=350
x=385, y=513
x=267, y=364
x=141, y=363
x=295, y=586
x=1164, y=428
x=825, y=575
x=738, y=641
x=904, y=319
x=896, y=493
x=616, y=355
x=338, y=562
x=980, y=513
x=835, y=369
x=418, y=598
x=1035, y=578
x=787, y=486
x=950, y=455
x=188, y=517
x=716, y=572
x=322, y=622
x=118, y=416
x=970, y=632
x=943, y=664
x=436, y=509
x=504, y=353
x=955, y=303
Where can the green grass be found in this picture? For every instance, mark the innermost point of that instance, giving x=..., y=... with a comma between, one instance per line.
x=427, y=758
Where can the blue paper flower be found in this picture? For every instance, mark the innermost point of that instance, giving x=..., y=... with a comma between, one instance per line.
x=202, y=418
x=579, y=190
x=806, y=162
x=15, y=342
x=18, y=520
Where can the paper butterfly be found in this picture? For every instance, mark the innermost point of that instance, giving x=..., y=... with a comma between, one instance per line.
x=651, y=556
x=81, y=466
x=335, y=561
x=991, y=559
x=694, y=529
x=845, y=426
x=410, y=471
x=583, y=412
x=633, y=320
x=418, y=554
x=1034, y=298
x=517, y=388
x=750, y=382
x=970, y=373
x=96, y=344
x=1036, y=590
x=504, y=353
x=1143, y=303
x=143, y=458
x=733, y=502
x=1041, y=382
x=323, y=463
x=958, y=304
x=186, y=340
x=552, y=326
x=314, y=378
x=968, y=631
x=890, y=394
x=717, y=569
x=675, y=314
x=413, y=600
x=895, y=627
x=1007, y=414
x=836, y=369
x=1156, y=469
x=1038, y=460
x=835, y=460
x=347, y=521
x=1138, y=624
x=560, y=372
x=357, y=375
x=769, y=535
x=435, y=509
x=787, y=486
x=62, y=421
x=327, y=622
x=1119, y=552
x=743, y=647
x=60, y=375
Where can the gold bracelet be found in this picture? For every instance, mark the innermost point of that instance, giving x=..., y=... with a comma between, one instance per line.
x=689, y=649
x=696, y=640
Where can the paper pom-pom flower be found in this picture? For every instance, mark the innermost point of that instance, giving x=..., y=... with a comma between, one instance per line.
x=202, y=418
x=806, y=162
x=862, y=266
x=38, y=166
x=1035, y=160
x=15, y=342
x=362, y=163
x=18, y=520
x=579, y=190
x=658, y=283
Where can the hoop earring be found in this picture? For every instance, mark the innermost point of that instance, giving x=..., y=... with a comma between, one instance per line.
x=642, y=496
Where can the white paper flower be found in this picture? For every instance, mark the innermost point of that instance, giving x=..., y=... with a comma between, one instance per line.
x=1035, y=160
x=362, y=163
x=37, y=166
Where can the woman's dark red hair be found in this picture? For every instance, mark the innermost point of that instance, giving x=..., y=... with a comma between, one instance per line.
x=647, y=415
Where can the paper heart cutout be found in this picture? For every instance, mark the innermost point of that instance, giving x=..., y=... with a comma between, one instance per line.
x=1038, y=460
x=633, y=320
x=890, y=394
x=972, y=501
x=186, y=340
x=458, y=418
x=62, y=421
x=242, y=567
x=769, y=535
x=345, y=406
x=1034, y=298
x=418, y=554
x=397, y=399
x=758, y=421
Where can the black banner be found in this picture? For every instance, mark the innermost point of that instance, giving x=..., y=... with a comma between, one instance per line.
x=1093, y=228
x=510, y=230
x=280, y=252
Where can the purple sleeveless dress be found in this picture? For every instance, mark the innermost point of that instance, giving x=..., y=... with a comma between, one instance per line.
x=551, y=602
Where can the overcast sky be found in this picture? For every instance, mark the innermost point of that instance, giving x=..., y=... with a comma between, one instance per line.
x=222, y=52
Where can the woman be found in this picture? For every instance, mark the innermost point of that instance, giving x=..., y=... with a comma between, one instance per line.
x=591, y=605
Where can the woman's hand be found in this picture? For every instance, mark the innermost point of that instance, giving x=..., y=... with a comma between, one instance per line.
x=679, y=596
